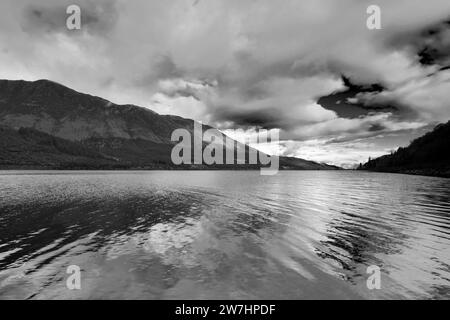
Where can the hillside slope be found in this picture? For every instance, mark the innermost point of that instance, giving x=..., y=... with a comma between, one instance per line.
x=427, y=155
x=28, y=148
x=62, y=112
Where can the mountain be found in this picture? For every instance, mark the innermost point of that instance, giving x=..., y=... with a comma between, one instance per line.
x=57, y=110
x=45, y=124
x=290, y=163
x=427, y=155
x=29, y=148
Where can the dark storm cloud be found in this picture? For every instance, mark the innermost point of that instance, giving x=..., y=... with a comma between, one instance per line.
x=97, y=17
x=159, y=67
x=346, y=104
x=376, y=127
x=431, y=43
x=265, y=119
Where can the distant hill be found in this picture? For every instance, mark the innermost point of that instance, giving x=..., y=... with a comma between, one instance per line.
x=45, y=124
x=427, y=155
x=290, y=163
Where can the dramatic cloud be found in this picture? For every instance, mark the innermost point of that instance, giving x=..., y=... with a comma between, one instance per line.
x=247, y=64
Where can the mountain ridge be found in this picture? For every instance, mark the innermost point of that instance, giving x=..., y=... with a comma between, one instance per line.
x=128, y=136
x=63, y=112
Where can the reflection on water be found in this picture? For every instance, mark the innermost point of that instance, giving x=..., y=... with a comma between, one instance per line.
x=223, y=235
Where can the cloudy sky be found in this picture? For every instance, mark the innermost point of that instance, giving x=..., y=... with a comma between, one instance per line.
x=337, y=91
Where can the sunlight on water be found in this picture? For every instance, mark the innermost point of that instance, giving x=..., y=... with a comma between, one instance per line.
x=223, y=235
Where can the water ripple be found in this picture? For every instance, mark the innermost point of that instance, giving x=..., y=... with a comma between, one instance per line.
x=223, y=235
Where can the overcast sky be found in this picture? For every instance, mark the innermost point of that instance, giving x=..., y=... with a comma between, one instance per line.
x=338, y=92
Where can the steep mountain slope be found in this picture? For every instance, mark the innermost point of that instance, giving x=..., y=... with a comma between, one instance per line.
x=28, y=148
x=125, y=136
x=427, y=155
x=57, y=110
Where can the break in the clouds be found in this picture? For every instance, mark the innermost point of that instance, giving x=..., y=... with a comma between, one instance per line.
x=337, y=91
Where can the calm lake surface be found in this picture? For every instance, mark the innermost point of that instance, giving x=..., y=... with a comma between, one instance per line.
x=223, y=235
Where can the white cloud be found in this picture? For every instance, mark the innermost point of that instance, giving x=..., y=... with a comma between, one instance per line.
x=427, y=96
